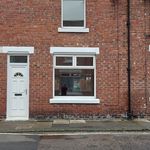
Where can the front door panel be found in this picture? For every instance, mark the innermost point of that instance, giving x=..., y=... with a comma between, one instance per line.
x=18, y=92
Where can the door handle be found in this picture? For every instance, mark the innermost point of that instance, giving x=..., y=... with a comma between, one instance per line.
x=18, y=94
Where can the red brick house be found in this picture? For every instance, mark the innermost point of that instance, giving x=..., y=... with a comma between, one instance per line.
x=76, y=58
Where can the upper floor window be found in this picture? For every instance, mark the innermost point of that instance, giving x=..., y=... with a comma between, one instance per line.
x=73, y=14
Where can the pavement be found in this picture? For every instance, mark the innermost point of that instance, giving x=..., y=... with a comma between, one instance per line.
x=62, y=125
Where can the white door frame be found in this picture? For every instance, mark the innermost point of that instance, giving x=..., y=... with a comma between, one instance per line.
x=8, y=86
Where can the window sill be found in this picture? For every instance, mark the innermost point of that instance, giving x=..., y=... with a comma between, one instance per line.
x=74, y=100
x=82, y=30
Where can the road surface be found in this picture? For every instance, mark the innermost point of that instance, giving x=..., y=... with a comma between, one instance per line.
x=120, y=141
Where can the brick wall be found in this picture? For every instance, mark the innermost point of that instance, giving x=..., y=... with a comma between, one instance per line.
x=35, y=23
x=140, y=41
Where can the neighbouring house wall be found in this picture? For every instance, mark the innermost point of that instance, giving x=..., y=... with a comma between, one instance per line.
x=3, y=84
x=35, y=23
x=140, y=54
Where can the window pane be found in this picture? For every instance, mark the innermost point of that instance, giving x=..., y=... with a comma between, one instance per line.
x=73, y=13
x=18, y=59
x=64, y=61
x=78, y=82
x=84, y=61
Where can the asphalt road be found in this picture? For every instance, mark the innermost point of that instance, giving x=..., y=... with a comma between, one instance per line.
x=76, y=142
x=19, y=142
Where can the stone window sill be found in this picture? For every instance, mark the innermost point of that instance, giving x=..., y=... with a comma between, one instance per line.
x=73, y=100
x=81, y=30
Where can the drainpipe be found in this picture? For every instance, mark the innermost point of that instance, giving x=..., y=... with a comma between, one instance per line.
x=129, y=114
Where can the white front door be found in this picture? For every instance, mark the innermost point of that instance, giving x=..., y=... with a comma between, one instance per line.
x=18, y=99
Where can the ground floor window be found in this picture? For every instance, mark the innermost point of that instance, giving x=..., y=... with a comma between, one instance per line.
x=74, y=82
x=74, y=76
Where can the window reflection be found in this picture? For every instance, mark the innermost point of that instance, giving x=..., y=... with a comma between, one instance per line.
x=73, y=13
x=84, y=61
x=18, y=59
x=78, y=82
x=64, y=61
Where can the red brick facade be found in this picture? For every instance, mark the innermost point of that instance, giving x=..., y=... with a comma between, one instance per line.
x=35, y=23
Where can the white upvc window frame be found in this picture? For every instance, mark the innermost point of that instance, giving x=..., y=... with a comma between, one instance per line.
x=74, y=66
x=73, y=29
x=74, y=99
x=74, y=62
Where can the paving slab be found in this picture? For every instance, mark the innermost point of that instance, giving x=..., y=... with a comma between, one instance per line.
x=77, y=121
x=22, y=127
x=60, y=122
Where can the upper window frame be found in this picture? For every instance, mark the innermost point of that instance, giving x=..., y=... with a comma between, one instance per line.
x=74, y=62
x=71, y=28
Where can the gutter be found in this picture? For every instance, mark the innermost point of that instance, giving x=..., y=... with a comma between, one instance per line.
x=129, y=113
